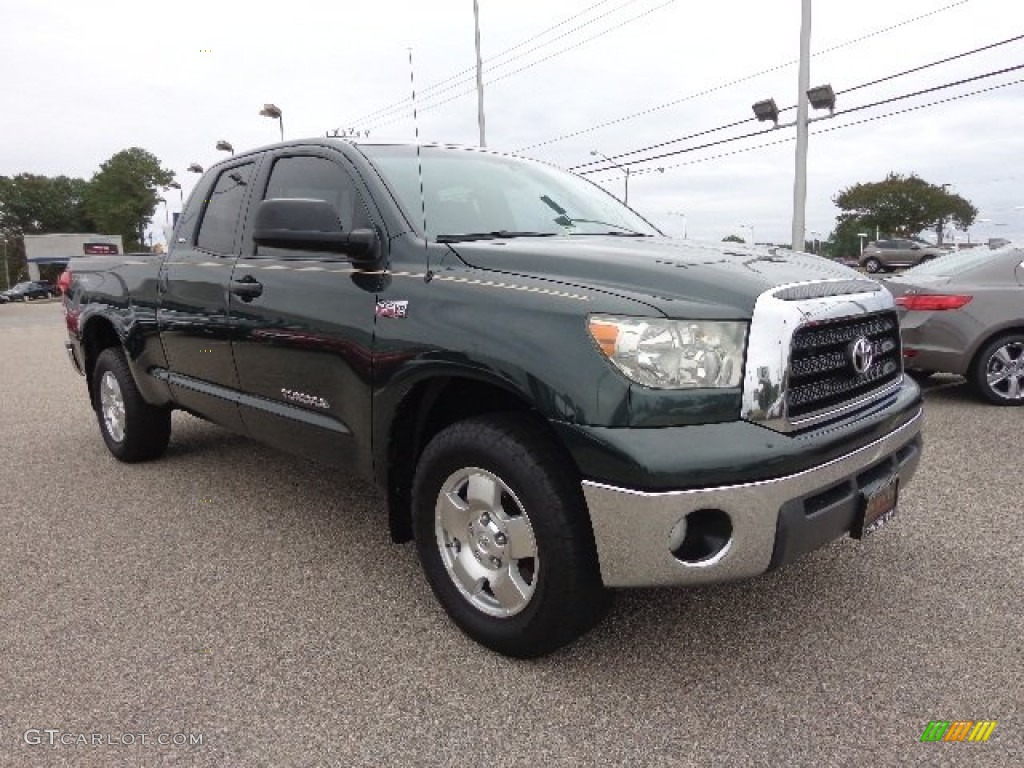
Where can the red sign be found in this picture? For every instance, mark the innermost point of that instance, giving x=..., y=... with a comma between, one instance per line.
x=99, y=249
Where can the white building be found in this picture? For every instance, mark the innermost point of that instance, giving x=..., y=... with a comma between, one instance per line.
x=58, y=249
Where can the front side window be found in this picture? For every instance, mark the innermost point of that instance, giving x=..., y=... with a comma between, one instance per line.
x=317, y=178
x=467, y=192
x=223, y=210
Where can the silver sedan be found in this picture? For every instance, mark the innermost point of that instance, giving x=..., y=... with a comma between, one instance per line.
x=963, y=313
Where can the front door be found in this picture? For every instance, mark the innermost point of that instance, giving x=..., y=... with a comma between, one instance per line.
x=304, y=332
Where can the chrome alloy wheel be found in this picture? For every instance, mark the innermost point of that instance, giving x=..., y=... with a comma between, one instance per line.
x=1004, y=371
x=112, y=406
x=486, y=541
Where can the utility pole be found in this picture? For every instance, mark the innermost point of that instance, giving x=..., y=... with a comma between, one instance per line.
x=479, y=75
x=804, y=77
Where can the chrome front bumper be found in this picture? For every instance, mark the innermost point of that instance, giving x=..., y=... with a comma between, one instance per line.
x=633, y=529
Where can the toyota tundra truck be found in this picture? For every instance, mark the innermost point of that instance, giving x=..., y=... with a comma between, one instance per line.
x=554, y=398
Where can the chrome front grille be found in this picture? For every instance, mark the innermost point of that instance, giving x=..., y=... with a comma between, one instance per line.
x=800, y=369
x=821, y=369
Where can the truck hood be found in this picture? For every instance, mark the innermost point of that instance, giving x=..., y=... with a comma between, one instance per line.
x=682, y=278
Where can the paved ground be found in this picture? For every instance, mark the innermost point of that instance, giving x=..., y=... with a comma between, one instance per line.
x=234, y=594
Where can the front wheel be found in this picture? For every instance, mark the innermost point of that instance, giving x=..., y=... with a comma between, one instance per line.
x=998, y=374
x=133, y=429
x=873, y=265
x=503, y=536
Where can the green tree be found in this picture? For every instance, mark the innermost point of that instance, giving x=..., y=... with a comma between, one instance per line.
x=899, y=206
x=733, y=239
x=122, y=195
x=39, y=205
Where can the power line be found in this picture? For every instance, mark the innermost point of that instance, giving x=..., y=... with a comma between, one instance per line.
x=849, y=110
x=825, y=130
x=786, y=109
x=737, y=81
x=538, y=61
x=460, y=76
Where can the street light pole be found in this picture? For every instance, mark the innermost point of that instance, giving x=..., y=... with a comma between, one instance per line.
x=804, y=77
x=7, y=274
x=624, y=168
x=680, y=213
x=269, y=110
x=181, y=195
x=479, y=74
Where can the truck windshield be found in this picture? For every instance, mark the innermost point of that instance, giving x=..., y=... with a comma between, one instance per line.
x=469, y=193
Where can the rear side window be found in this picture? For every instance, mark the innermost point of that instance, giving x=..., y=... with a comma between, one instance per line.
x=223, y=210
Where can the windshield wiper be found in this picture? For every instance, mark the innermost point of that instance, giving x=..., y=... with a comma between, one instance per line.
x=565, y=220
x=500, y=234
x=620, y=231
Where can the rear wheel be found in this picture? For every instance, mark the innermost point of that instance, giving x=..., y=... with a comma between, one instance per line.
x=998, y=374
x=503, y=536
x=133, y=429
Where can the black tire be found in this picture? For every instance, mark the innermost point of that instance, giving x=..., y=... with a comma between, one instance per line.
x=873, y=265
x=137, y=431
x=506, y=453
x=1003, y=355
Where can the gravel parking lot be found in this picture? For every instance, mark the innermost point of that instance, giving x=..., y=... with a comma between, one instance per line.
x=238, y=596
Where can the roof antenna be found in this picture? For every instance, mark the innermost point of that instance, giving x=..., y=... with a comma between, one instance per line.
x=419, y=170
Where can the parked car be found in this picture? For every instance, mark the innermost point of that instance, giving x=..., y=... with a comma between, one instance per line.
x=883, y=255
x=32, y=289
x=964, y=313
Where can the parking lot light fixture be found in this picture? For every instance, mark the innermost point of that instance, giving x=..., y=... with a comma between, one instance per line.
x=269, y=110
x=225, y=146
x=195, y=168
x=822, y=97
x=177, y=186
x=767, y=110
x=862, y=236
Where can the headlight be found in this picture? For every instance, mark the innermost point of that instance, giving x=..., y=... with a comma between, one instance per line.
x=673, y=354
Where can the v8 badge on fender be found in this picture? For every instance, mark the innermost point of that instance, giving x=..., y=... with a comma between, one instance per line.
x=391, y=308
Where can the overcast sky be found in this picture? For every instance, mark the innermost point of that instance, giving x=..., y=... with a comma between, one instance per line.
x=82, y=81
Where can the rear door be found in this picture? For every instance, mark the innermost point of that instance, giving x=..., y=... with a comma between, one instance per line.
x=303, y=345
x=193, y=287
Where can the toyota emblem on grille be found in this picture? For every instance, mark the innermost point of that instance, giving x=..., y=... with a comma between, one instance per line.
x=862, y=354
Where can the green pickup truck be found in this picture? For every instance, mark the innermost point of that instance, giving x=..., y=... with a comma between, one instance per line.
x=554, y=398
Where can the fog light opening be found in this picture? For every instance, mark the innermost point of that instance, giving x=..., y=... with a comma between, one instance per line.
x=701, y=536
